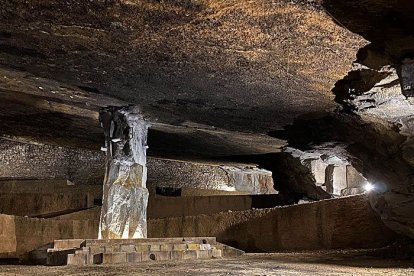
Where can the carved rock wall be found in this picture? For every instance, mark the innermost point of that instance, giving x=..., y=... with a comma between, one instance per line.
x=31, y=161
x=80, y=166
x=321, y=172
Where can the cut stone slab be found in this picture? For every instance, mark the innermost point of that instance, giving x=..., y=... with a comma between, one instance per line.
x=77, y=259
x=69, y=244
x=114, y=258
x=134, y=257
x=58, y=257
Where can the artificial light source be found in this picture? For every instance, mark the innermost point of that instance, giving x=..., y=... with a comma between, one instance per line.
x=369, y=187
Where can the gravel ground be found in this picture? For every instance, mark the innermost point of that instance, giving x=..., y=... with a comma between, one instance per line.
x=313, y=263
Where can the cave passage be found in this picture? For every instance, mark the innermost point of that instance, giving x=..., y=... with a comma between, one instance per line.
x=207, y=137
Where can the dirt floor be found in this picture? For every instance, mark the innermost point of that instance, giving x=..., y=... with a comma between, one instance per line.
x=314, y=263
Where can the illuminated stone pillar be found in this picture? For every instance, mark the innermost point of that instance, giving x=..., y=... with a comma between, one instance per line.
x=125, y=196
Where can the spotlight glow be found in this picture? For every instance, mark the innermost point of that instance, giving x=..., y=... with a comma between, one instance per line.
x=369, y=187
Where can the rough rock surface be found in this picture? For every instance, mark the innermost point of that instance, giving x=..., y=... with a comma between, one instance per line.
x=125, y=196
x=246, y=179
x=250, y=180
x=82, y=166
x=376, y=123
x=35, y=161
x=250, y=66
x=376, y=98
x=320, y=172
x=382, y=101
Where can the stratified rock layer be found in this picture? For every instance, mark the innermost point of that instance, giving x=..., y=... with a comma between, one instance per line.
x=238, y=65
x=125, y=196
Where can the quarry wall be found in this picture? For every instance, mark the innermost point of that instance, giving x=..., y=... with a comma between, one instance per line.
x=80, y=166
x=347, y=222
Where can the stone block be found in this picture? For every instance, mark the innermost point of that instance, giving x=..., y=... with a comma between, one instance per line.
x=59, y=257
x=127, y=248
x=134, y=257
x=205, y=246
x=166, y=247
x=155, y=247
x=216, y=253
x=149, y=256
x=96, y=249
x=193, y=246
x=142, y=248
x=77, y=259
x=339, y=179
x=156, y=256
x=83, y=254
x=114, y=258
x=190, y=255
x=69, y=243
x=179, y=247
x=116, y=248
x=204, y=254
x=177, y=255
x=164, y=255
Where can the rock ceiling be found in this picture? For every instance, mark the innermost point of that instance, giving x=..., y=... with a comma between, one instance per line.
x=245, y=66
x=219, y=78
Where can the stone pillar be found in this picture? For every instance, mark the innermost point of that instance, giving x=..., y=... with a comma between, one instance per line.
x=318, y=168
x=125, y=196
x=339, y=179
x=329, y=180
x=335, y=179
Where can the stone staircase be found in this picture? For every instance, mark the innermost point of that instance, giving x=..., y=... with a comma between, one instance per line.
x=118, y=251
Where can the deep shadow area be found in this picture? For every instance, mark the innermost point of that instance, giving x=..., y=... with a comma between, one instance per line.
x=373, y=19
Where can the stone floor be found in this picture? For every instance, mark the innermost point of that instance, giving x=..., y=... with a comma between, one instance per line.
x=315, y=263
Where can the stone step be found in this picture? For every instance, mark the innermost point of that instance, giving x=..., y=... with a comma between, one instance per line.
x=149, y=241
x=104, y=248
x=68, y=244
x=78, y=243
x=58, y=257
x=83, y=258
x=228, y=251
x=83, y=252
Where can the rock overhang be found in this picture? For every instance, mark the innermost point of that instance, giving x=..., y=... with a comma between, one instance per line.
x=234, y=66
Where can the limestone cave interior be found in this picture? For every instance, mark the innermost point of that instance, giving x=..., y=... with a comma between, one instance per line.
x=206, y=137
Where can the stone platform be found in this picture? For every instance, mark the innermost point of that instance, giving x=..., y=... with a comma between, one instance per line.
x=94, y=251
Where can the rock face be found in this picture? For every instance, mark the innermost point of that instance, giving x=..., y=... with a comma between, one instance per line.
x=252, y=181
x=35, y=161
x=231, y=177
x=321, y=172
x=125, y=196
x=384, y=100
x=376, y=122
x=81, y=166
